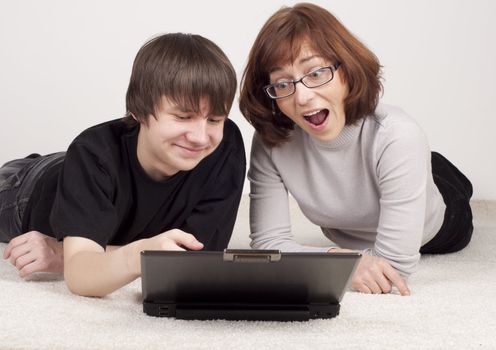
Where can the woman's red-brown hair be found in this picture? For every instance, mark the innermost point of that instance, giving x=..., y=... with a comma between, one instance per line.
x=279, y=43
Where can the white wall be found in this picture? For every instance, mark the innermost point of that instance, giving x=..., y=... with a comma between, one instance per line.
x=64, y=65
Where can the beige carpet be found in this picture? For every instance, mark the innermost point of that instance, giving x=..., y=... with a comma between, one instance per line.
x=452, y=306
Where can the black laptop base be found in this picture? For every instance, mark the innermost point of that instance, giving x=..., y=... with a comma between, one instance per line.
x=235, y=311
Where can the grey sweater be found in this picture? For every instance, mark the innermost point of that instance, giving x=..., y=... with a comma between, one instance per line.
x=370, y=189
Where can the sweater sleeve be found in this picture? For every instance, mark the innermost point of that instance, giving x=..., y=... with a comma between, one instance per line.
x=270, y=223
x=403, y=164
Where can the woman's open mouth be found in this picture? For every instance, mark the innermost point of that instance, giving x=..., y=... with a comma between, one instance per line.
x=317, y=118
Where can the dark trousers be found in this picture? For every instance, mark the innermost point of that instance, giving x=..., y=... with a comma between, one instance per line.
x=17, y=182
x=456, y=230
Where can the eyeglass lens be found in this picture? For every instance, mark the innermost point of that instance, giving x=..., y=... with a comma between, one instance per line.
x=313, y=79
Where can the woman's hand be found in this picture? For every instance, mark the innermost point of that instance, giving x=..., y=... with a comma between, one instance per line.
x=375, y=275
x=35, y=252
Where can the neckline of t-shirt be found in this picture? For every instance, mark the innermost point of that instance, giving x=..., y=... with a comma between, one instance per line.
x=343, y=139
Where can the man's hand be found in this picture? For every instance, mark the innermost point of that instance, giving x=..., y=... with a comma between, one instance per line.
x=170, y=240
x=375, y=275
x=35, y=252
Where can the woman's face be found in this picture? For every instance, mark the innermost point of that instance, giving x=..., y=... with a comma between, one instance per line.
x=319, y=111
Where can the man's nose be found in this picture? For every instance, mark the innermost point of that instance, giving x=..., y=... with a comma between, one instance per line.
x=198, y=132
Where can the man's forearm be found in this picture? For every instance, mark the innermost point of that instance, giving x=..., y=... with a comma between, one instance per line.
x=89, y=270
x=97, y=274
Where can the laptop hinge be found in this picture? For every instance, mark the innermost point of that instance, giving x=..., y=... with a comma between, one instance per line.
x=248, y=255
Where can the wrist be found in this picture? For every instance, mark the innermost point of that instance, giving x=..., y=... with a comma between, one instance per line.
x=132, y=258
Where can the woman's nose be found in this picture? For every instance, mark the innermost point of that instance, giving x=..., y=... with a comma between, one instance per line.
x=302, y=94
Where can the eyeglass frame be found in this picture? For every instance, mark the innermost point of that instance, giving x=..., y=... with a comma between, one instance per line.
x=333, y=68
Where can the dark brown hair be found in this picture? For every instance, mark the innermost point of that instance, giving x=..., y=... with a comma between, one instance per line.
x=183, y=67
x=279, y=43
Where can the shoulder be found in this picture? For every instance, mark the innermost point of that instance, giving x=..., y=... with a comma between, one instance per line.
x=398, y=138
x=392, y=121
x=232, y=133
x=258, y=148
x=232, y=140
x=392, y=128
x=103, y=138
x=103, y=146
x=104, y=133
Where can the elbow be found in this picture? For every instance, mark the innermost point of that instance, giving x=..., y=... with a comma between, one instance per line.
x=79, y=287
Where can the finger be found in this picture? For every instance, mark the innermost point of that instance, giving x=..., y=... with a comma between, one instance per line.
x=24, y=260
x=373, y=286
x=20, y=240
x=383, y=283
x=191, y=243
x=28, y=269
x=175, y=247
x=185, y=239
x=18, y=251
x=397, y=280
x=362, y=288
x=14, y=242
x=6, y=251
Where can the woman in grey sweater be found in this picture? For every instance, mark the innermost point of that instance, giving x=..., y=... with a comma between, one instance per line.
x=360, y=170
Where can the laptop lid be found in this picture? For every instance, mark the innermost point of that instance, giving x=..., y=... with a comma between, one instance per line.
x=245, y=284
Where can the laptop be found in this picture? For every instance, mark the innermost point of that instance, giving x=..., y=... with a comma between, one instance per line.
x=245, y=284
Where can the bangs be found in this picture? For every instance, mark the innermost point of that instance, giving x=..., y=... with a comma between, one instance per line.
x=188, y=88
x=289, y=48
x=200, y=77
x=294, y=29
x=285, y=52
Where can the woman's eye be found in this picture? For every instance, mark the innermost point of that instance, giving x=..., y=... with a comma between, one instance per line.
x=281, y=85
x=316, y=73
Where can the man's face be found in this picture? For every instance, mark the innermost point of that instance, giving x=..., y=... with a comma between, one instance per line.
x=177, y=140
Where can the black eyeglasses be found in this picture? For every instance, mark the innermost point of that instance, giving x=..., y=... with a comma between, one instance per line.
x=311, y=80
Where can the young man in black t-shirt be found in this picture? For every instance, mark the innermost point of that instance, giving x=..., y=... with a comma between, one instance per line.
x=168, y=176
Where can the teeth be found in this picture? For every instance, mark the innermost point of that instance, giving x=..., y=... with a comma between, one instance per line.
x=312, y=113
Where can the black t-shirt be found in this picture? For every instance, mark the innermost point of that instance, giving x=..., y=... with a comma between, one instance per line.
x=101, y=192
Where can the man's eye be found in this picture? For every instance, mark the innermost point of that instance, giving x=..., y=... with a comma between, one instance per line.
x=215, y=121
x=181, y=117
